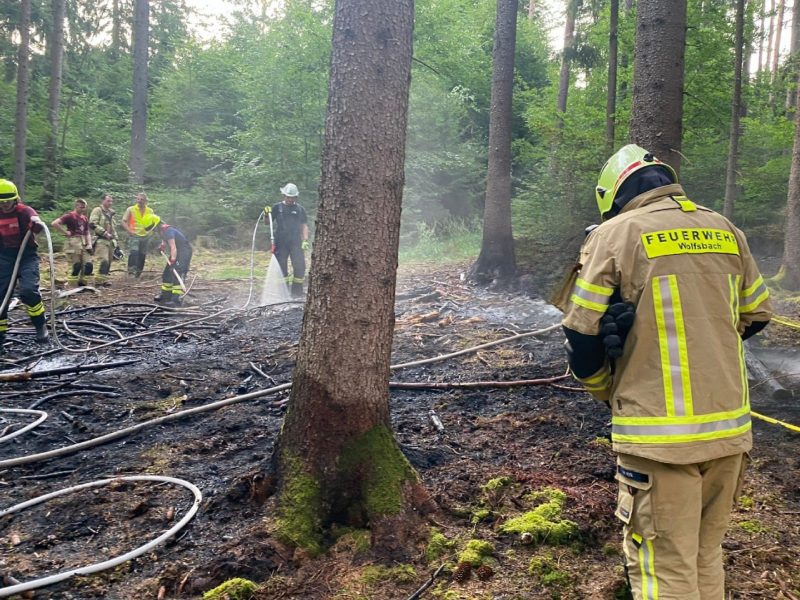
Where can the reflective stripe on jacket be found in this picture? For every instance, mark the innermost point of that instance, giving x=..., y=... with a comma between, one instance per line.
x=679, y=393
x=138, y=221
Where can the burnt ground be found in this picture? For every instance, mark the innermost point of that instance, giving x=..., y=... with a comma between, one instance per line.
x=536, y=436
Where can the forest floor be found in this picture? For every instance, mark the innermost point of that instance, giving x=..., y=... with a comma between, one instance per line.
x=496, y=448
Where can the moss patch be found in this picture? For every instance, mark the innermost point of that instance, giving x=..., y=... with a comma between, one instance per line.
x=298, y=522
x=544, y=522
x=753, y=526
x=385, y=470
x=480, y=515
x=438, y=545
x=233, y=589
x=475, y=552
x=545, y=569
x=374, y=574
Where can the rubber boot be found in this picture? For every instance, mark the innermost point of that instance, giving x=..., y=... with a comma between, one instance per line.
x=42, y=335
x=297, y=290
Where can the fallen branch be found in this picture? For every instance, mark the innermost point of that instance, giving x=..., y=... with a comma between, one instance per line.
x=44, y=399
x=401, y=385
x=28, y=375
x=426, y=585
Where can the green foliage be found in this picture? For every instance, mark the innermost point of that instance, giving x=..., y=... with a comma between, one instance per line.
x=451, y=240
x=298, y=520
x=233, y=589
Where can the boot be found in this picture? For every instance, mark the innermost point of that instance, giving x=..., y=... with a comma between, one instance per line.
x=42, y=335
x=297, y=290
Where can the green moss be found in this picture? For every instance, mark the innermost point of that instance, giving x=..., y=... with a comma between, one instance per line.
x=610, y=550
x=438, y=546
x=475, y=551
x=480, y=515
x=544, y=522
x=385, y=469
x=495, y=484
x=356, y=540
x=233, y=589
x=374, y=574
x=602, y=442
x=746, y=503
x=753, y=526
x=546, y=571
x=299, y=508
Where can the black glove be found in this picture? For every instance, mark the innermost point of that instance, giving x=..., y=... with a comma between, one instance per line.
x=614, y=327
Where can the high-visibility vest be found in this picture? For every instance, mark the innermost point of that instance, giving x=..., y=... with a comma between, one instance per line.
x=138, y=221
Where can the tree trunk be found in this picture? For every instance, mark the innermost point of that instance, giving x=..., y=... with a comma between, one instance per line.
x=496, y=261
x=141, y=35
x=793, y=59
x=777, y=52
x=770, y=36
x=531, y=9
x=761, y=34
x=791, y=240
x=23, y=79
x=736, y=111
x=624, y=60
x=51, y=162
x=336, y=460
x=657, y=107
x=611, y=100
x=563, y=79
x=116, y=28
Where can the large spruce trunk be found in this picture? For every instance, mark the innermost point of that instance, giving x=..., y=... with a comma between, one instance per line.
x=336, y=460
x=51, y=161
x=141, y=43
x=496, y=261
x=657, y=109
x=23, y=80
x=731, y=189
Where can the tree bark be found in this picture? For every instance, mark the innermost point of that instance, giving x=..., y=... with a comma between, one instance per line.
x=23, y=81
x=336, y=459
x=774, y=76
x=531, y=9
x=141, y=36
x=770, y=37
x=791, y=240
x=566, y=56
x=793, y=59
x=657, y=107
x=762, y=28
x=736, y=111
x=496, y=261
x=611, y=99
x=51, y=162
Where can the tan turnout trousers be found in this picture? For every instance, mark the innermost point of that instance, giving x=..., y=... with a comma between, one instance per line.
x=675, y=518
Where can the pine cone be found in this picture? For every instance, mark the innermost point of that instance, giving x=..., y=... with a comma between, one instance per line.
x=484, y=572
x=462, y=572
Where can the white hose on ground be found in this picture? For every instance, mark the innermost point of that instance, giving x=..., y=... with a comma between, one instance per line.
x=22, y=411
x=108, y=437
x=14, y=272
x=112, y=562
x=252, y=264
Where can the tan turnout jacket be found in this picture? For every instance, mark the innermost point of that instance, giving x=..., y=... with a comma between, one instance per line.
x=679, y=392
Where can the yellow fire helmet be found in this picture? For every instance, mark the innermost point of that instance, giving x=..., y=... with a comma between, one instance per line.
x=8, y=191
x=618, y=168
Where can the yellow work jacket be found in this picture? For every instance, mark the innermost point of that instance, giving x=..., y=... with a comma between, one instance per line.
x=138, y=221
x=679, y=392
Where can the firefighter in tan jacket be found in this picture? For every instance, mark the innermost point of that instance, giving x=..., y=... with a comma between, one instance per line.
x=673, y=374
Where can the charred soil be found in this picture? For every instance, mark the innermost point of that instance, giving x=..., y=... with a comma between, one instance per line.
x=485, y=454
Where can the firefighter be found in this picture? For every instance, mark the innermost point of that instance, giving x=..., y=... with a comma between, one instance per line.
x=101, y=222
x=178, y=252
x=75, y=226
x=15, y=220
x=138, y=221
x=291, y=237
x=671, y=369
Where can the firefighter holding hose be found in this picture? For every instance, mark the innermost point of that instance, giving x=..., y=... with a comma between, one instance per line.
x=666, y=293
x=290, y=237
x=16, y=219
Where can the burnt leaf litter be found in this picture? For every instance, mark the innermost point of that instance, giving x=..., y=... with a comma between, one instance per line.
x=484, y=454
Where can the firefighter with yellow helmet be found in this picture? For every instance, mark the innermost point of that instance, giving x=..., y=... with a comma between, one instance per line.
x=16, y=219
x=666, y=293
